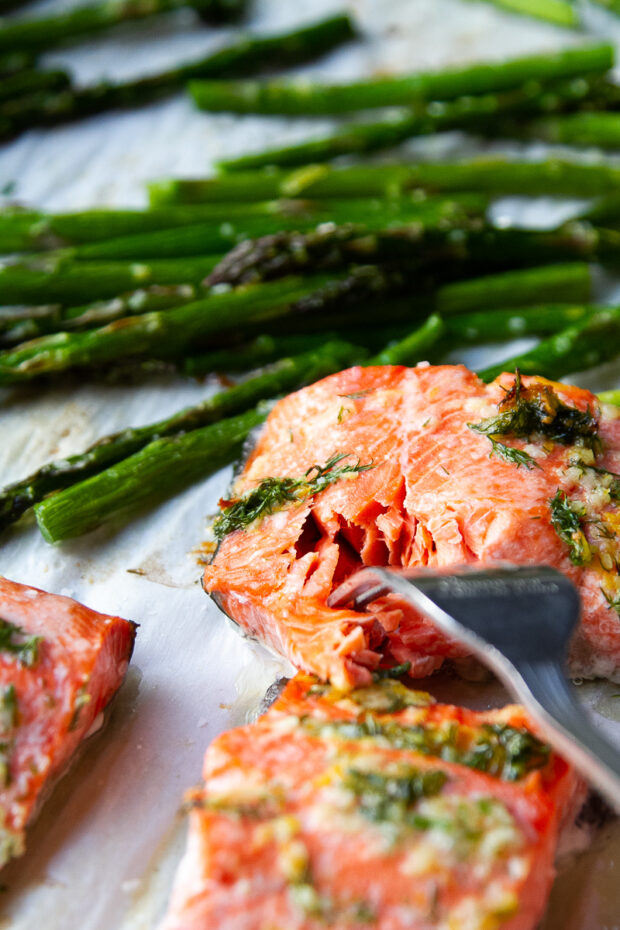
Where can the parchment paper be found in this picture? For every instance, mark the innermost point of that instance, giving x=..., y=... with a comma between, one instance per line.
x=103, y=851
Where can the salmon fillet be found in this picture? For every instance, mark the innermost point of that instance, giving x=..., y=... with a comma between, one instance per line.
x=60, y=664
x=442, y=470
x=373, y=808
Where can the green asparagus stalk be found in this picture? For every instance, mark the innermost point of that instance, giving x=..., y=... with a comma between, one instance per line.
x=477, y=114
x=547, y=284
x=610, y=397
x=62, y=281
x=164, y=334
x=210, y=239
x=413, y=347
x=513, y=322
x=600, y=129
x=22, y=230
x=605, y=212
x=25, y=82
x=285, y=375
x=298, y=97
x=494, y=176
x=247, y=55
x=42, y=33
x=13, y=62
x=163, y=468
x=612, y=5
x=560, y=12
x=21, y=323
x=584, y=345
x=261, y=350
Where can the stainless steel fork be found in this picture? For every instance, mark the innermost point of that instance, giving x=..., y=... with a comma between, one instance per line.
x=518, y=620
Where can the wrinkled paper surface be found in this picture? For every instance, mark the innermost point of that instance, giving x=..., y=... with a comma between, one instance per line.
x=104, y=849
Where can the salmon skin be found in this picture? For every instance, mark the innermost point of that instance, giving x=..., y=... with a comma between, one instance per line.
x=444, y=470
x=60, y=664
x=373, y=808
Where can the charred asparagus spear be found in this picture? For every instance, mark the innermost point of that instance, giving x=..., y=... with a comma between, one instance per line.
x=495, y=176
x=298, y=97
x=330, y=248
x=166, y=334
x=42, y=33
x=285, y=375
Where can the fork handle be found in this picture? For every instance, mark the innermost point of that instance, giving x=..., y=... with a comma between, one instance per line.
x=578, y=740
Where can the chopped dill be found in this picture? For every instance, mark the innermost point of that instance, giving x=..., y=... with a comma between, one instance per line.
x=566, y=517
x=613, y=602
x=14, y=640
x=515, y=456
x=8, y=709
x=391, y=797
x=527, y=411
x=396, y=671
x=614, y=485
x=273, y=494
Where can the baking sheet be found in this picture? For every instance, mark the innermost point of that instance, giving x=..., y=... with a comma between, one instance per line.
x=103, y=852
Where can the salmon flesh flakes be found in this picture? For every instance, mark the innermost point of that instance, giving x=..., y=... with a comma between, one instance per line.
x=373, y=808
x=60, y=665
x=445, y=470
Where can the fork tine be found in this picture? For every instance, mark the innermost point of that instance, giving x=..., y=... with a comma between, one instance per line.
x=358, y=591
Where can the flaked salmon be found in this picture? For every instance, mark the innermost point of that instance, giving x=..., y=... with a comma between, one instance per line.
x=376, y=808
x=418, y=467
x=60, y=664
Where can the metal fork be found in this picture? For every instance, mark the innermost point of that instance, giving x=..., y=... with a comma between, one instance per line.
x=519, y=621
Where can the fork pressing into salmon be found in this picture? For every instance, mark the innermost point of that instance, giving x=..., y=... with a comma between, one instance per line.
x=408, y=467
x=60, y=665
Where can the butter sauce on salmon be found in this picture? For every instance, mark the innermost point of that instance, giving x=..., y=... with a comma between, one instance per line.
x=60, y=665
x=442, y=470
x=374, y=807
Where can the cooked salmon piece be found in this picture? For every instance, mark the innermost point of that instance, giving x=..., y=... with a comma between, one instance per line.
x=373, y=808
x=60, y=664
x=407, y=467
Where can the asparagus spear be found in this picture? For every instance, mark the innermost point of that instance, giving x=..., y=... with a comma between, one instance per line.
x=584, y=345
x=285, y=375
x=163, y=468
x=258, y=351
x=414, y=346
x=509, y=323
x=603, y=212
x=22, y=230
x=560, y=12
x=164, y=334
x=478, y=114
x=209, y=238
x=24, y=82
x=547, y=283
x=247, y=55
x=298, y=97
x=21, y=323
x=551, y=177
x=13, y=62
x=612, y=5
x=66, y=282
x=42, y=33
x=600, y=129
x=289, y=253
